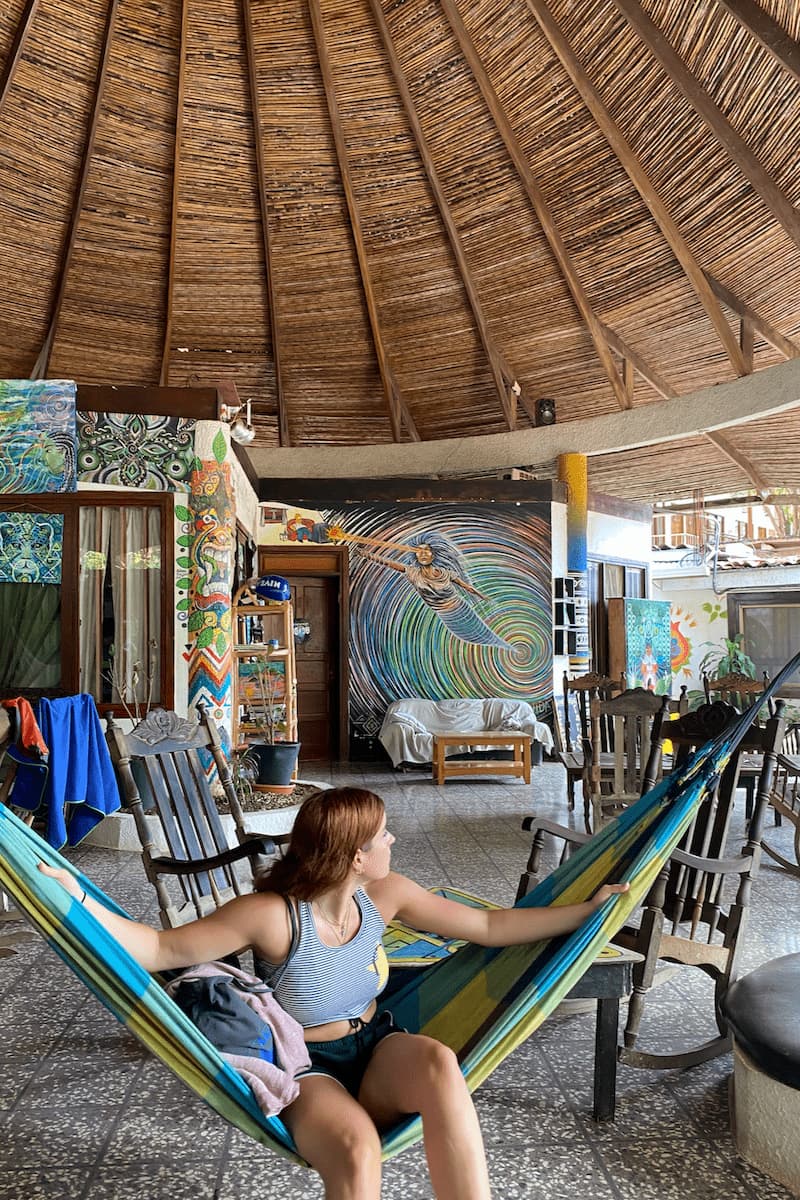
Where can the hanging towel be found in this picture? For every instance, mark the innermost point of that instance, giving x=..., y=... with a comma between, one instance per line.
x=82, y=787
x=27, y=734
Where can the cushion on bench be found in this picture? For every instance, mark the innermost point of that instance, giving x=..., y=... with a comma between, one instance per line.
x=763, y=1011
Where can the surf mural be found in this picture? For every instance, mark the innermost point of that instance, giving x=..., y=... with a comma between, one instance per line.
x=445, y=602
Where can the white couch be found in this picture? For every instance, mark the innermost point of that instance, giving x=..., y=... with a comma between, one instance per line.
x=409, y=725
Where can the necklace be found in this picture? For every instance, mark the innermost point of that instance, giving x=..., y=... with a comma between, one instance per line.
x=339, y=927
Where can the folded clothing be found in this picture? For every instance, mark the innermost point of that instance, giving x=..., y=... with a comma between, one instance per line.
x=239, y=1014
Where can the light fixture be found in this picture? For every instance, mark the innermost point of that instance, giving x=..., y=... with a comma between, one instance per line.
x=545, y=412
x=242, y=430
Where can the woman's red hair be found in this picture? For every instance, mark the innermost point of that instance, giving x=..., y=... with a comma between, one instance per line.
x=330, y=826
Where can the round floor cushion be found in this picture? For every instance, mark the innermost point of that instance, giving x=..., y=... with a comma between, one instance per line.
x=763, y=1011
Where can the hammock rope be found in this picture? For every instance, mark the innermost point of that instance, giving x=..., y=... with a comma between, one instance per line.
x=483, y=1002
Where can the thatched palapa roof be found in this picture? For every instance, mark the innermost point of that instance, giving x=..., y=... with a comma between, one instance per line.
x=376, y=217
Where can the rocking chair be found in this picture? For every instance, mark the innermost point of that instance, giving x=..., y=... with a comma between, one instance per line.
x=163, y=778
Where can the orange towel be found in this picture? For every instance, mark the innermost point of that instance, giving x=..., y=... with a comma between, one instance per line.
x=29, y=736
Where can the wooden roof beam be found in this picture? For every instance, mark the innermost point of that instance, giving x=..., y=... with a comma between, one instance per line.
x=393, y=398
x=502, y=374
x=163, y=378
x=640, y=365
x=538, y=202
x=742, y=462
x=15, y=52
x=735, y=146
x=763, y=328
x=765, y=29
x=284, y=437
x=42, y=363
x=640, y=180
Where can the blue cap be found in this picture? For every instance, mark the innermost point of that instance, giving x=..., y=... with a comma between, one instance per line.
x=273, y=587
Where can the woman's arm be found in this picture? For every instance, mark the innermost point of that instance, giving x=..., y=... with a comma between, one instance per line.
x=258, y=920
x=401, y=898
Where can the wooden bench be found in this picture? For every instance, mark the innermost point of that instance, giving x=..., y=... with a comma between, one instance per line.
x=444, y=768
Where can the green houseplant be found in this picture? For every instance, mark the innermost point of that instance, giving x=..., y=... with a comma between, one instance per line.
x=729, y=659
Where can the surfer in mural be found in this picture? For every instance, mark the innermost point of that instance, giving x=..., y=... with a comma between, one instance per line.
x=438, y=572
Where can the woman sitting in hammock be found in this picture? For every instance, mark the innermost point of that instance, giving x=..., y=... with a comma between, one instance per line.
x=336, y=887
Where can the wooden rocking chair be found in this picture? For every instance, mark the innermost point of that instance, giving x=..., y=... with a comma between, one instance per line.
x=575, y=750
x=162, y=777
x=785, y=798
x=687, y=918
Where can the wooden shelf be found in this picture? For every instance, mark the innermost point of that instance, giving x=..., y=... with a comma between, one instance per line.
x=274, y=619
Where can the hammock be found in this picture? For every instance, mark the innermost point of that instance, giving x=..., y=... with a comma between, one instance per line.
x=481, y=1002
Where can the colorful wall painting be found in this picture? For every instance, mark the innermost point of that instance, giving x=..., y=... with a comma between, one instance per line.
x=37, y=435
x=682, y=627
x=648, y=645
x=30, y=547
x=134, y=450
x=699, y=623
x=212, y=519
x=445, y=601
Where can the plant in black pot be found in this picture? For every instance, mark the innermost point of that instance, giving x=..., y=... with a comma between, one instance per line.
x=276, y=757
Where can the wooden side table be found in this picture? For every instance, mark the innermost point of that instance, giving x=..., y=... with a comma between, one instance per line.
x=520, y=765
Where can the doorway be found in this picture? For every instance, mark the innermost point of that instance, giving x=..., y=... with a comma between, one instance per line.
x=318, y=579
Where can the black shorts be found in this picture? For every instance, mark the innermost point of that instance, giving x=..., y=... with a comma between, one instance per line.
x=347, y=1058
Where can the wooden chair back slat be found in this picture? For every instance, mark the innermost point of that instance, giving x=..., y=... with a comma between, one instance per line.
x=161, y=757
x=635, y=720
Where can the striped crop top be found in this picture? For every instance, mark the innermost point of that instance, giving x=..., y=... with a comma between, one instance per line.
x=323, y=983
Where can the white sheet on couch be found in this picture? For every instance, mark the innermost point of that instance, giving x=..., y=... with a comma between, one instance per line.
x=409, y=725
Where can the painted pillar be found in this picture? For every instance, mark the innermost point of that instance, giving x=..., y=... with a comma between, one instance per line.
x=213, y=523
x=573, y=470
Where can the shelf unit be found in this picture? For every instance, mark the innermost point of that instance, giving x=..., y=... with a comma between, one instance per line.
x=256, y=624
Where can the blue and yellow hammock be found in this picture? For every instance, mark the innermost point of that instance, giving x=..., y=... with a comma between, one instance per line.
x=481, y=1002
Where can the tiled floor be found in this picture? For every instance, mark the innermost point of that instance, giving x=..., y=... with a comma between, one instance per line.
x=87, y=1115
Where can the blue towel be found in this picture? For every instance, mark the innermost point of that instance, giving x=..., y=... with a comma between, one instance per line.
x=81, y=787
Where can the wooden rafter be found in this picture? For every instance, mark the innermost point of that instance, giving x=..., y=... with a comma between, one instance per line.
x=43, y=360
x=503, y=377
x=746, y=341
x=176, y=183
x=640, y=180
x=639, y=364
x=742, y=462
x=284, y=438
x=773, y=37
x=735, y=146
x=394, y=400
x=15, y=52
x=538, y=202
x=762, y=327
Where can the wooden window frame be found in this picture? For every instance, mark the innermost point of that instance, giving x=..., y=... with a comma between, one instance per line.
x=70, y=504
x=762, y=598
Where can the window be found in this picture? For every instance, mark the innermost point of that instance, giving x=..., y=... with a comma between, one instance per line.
x=770, y=622
x=106, y=627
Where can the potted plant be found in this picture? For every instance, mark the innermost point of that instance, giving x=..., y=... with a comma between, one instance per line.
x=730, y=659
x=276, y=757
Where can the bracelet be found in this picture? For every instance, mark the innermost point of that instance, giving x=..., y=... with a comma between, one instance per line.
x=82, y=896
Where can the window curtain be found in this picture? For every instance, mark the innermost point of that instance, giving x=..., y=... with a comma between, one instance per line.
x=30, y=646
x=95, y=539
x=120, y=597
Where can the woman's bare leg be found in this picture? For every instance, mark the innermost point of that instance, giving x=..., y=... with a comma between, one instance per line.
x=410, y=1073
x=338, y=1137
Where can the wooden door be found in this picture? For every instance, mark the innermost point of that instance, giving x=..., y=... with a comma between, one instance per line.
x=314, y=598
